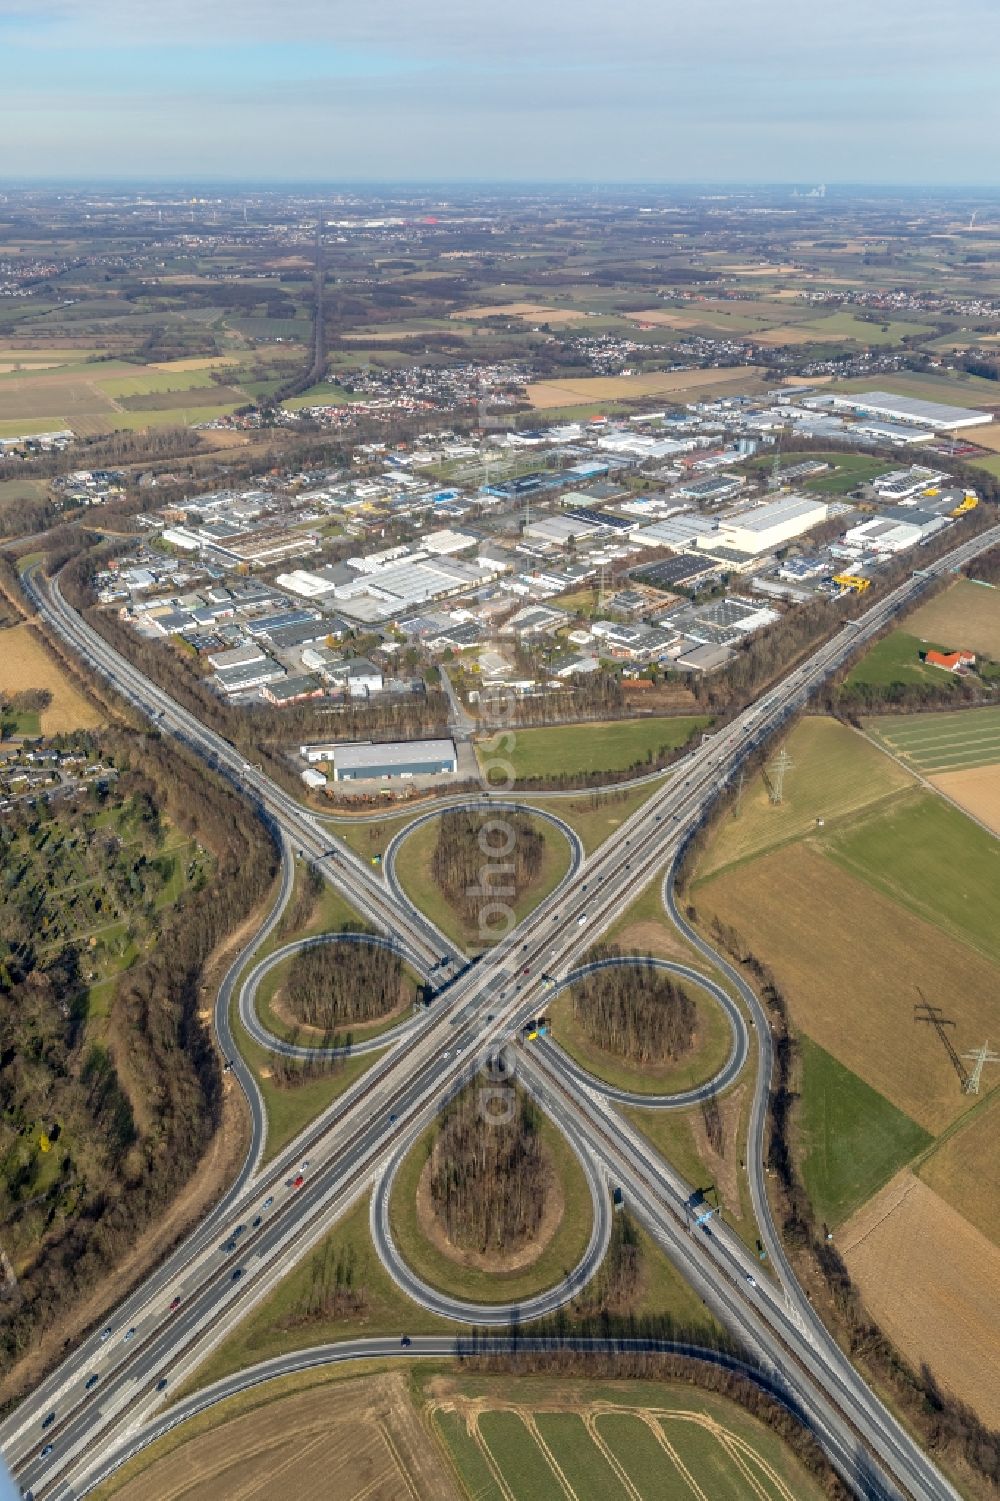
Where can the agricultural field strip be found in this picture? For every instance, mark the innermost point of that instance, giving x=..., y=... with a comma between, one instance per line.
x=656, y=1421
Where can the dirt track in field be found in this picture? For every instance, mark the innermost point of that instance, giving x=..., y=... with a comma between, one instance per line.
x=932, y=1281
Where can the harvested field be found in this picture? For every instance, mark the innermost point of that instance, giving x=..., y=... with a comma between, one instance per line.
x=932, y=1281
x=24, y=663
x=964, y=1169
x=790, y=334
x=977, y=791
x=366, y=1432
x=566, y=393
x=988, y=437
x=853, y=964
x=532, y=311
x=965, y=616
x=835, y=772
x=957, y=740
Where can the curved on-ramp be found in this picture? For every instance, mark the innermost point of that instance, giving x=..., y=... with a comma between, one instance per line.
x=493, y=1315
x=679, y=1099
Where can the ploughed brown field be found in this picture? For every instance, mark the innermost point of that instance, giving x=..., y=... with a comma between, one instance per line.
x=932, y=1281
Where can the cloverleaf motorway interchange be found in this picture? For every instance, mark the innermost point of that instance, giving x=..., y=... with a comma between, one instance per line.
x=357, y=1143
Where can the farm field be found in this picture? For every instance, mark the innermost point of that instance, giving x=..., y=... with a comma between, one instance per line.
x=102, y=395
x=966, y=615
x=932, y=1281
x=601, y=746
x=853, y=1139
x=611, y=1441
x=951, y=741
x=570, y=392
x=24, y=664
x=853, y=964
x=365, y=1430
x=530, y=311
x=835, y=772
x=931, y=859
x=964, y=1168
x=843, y=325
x=953, y=390
x=977, y=791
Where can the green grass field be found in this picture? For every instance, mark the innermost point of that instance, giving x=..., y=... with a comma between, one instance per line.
x=595, y=816
x=852, y=1138
x=896, y=659
x=941, y=742
x=572, y=749
x=839, y=326
x=851, y=470
x=293, y=1316
x=933, y=860
x=609, y=1441
x=834, y=773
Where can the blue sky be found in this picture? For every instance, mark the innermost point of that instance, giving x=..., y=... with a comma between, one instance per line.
x=642, y=90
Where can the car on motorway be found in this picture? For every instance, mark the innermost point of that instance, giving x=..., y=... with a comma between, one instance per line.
x=751, y=1280
x=161, y=1385
x=267, y=1203
x=91, y=1382
x=48, y=1421
x=405, y=1341
x=129, y=1334
x=45, y=1451
x=174, y=1303
x=237, y=1274
x=393, y=1119
x=298, y=1181
x=305, y=1165
x=255, y=1222
x=581, y=919
x=240, y=1230
x=105, y=1334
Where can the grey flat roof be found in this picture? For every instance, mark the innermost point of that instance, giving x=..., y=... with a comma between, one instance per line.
x=912, y=409
x=393, y=753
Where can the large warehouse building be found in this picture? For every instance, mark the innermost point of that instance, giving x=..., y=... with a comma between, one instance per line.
x=410, y=758
x=911, y=410
x=765, y=527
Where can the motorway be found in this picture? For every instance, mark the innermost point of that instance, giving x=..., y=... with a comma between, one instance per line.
x=355, y=1142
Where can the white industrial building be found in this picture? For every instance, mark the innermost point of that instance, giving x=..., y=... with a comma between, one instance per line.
x=767, y=526
x=934, y=415
x=403, y=759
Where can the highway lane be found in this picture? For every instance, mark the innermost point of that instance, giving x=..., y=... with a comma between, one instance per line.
x=680, y=1099
x=420, y=1347
x=689, y=799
